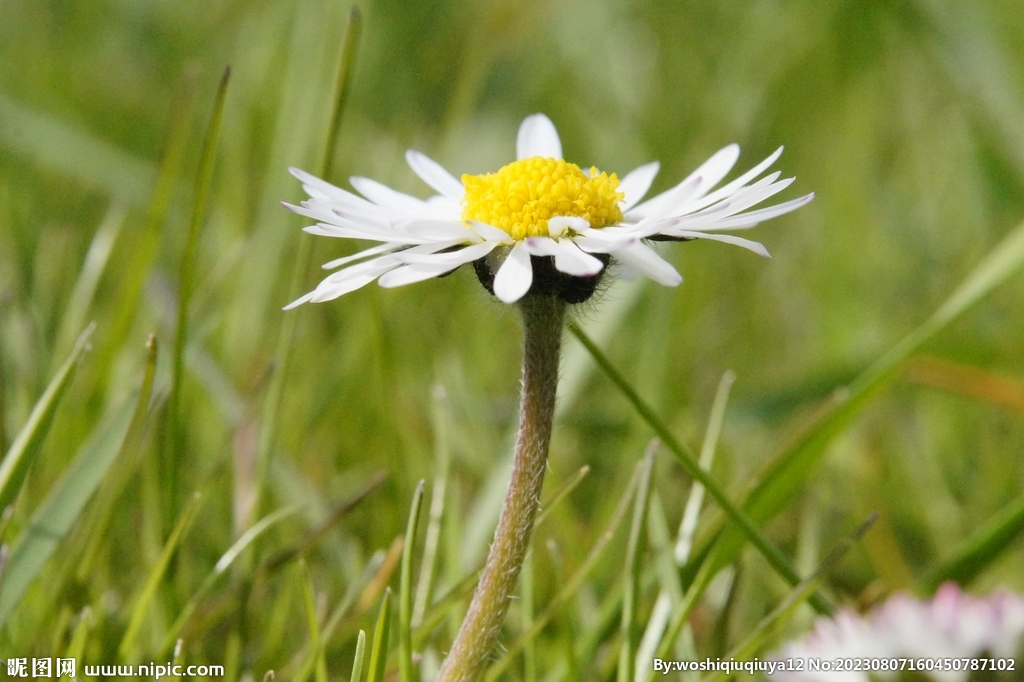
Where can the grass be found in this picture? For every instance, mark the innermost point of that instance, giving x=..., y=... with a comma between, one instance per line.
x=877, y=357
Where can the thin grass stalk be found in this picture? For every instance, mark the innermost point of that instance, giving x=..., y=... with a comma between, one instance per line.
x=145, y=248
x=357, y=658
x=29, y=441
x=343, y=608
x=774, y=622
x=406, y=671
x=303, y=261
x=986, y=545
x=442, y=459
x=787, y=474
x=173, y=459
x=672, y=593
x=542, y=331
x=312, y=620
x=527, y=595
x=627, y=648
x=88, y=280
x=379, y=650
x=776, y=559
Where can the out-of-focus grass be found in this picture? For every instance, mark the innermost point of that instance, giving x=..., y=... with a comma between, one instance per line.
x=904, y=118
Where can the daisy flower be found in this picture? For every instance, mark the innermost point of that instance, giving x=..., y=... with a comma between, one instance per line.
x=540, y=225
x=953, y=626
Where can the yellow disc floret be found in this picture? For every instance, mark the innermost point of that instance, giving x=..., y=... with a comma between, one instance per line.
x=521, y=197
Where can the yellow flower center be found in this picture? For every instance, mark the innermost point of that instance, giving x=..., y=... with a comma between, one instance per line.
x=521, y=197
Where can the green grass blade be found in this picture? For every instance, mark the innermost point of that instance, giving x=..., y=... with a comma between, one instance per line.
x=342, y=86
x=342, y=610
x=89, y=277
x=357, y=658
x=425, y=583
x=563, y=490
x=431, y=542
x=749, y=530
x=340, y=511
x=527, y=596
x=72, y=151
x=221, y=567
x=303, y=258
x=569, y=589
x=77, y=645
x=127, y=463
x=188, y=514
x=29, y=441
x=770, y=625
x=58, y=512
x=3, y=562
x=787, y=474
x=312, y=622
x=688, y=525
x=144, y=250
x=682, y=612
x=379, y=650
x=173, y=459
x=671, y=592
x=443, y=604
x=406, y=671
x=986, y=545
x=627, y=648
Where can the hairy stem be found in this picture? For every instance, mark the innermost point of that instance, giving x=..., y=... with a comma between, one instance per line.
x=542, y=332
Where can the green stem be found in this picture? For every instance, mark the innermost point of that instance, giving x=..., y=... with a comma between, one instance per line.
x=542, y=332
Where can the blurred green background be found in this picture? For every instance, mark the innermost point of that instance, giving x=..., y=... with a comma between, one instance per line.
x=905, y=117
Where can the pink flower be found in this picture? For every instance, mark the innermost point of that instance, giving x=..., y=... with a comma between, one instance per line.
x=941, y=633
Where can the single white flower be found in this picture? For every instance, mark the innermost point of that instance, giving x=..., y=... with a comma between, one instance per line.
x=540, y=224
x=953, y=626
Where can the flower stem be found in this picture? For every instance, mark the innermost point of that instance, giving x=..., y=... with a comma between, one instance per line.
x=542, y=332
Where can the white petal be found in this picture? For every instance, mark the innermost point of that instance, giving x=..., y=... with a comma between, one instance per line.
x=305, y=298
x=490, y=232
x=366, y=253
x=749, y=196
x=592, y=244
x=559, y=224
x=665, y=203
x=444, y=207
x=316, y=185
x=745, y=220
x=640, y=256
x=742, y=180
x=412, y=273
x=312, y=210
x=568, y=257
x=382, y=195
x=437, y=230
x=756, y=247
x=538, y=137
x=719, y=165
x=432, y=173
x=377, y=235
x=324, y=192
x=352, y=278
x=453, y=258
x=573, y=261
x=636, y=183
x=515, y=276
x=710, y=174
x=375, y=267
